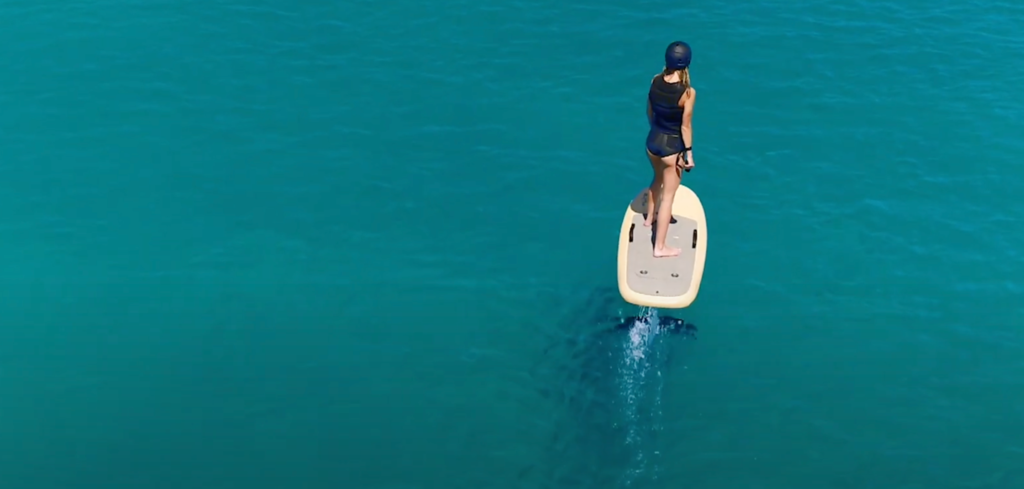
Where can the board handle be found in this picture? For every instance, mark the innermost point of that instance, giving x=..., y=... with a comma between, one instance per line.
x=694, y=239
x=631, y=226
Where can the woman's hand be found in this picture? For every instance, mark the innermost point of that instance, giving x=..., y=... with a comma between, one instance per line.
x=688, y=162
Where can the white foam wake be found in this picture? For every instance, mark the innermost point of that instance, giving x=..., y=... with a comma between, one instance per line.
x=639, y=377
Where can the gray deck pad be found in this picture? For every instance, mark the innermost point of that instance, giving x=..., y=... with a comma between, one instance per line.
x=661, y=277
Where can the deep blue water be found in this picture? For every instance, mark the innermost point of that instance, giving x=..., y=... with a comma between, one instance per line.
x=371, y=245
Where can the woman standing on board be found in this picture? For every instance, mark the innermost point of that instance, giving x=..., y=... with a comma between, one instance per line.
x=669, y=141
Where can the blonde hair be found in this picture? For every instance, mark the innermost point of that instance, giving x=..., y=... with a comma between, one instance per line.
x=684, y=77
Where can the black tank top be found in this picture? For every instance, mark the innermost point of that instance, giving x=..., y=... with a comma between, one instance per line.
x=664, y=98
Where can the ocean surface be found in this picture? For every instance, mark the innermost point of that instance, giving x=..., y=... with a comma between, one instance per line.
x=270, y=244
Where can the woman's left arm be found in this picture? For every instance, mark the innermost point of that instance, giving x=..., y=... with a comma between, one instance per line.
x=686, y=131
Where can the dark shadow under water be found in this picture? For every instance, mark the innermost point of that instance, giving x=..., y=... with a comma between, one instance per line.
x=607, y=376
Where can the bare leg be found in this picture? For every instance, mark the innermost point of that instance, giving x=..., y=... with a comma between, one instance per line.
x=654, y=190
x=670, y=180
x=652, y=204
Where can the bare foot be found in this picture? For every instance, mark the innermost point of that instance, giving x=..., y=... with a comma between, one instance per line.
x=666, y=252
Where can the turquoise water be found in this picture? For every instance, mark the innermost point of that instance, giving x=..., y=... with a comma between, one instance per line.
x=371, y=245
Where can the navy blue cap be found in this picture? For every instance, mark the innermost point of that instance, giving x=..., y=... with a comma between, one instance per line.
x=677, y=55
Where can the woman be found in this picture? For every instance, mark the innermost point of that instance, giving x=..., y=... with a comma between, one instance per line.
x=670, y=111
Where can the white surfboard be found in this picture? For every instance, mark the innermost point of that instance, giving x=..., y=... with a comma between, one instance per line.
x=670, y=282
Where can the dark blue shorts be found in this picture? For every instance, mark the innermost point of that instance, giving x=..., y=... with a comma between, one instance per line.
x=664, y=144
